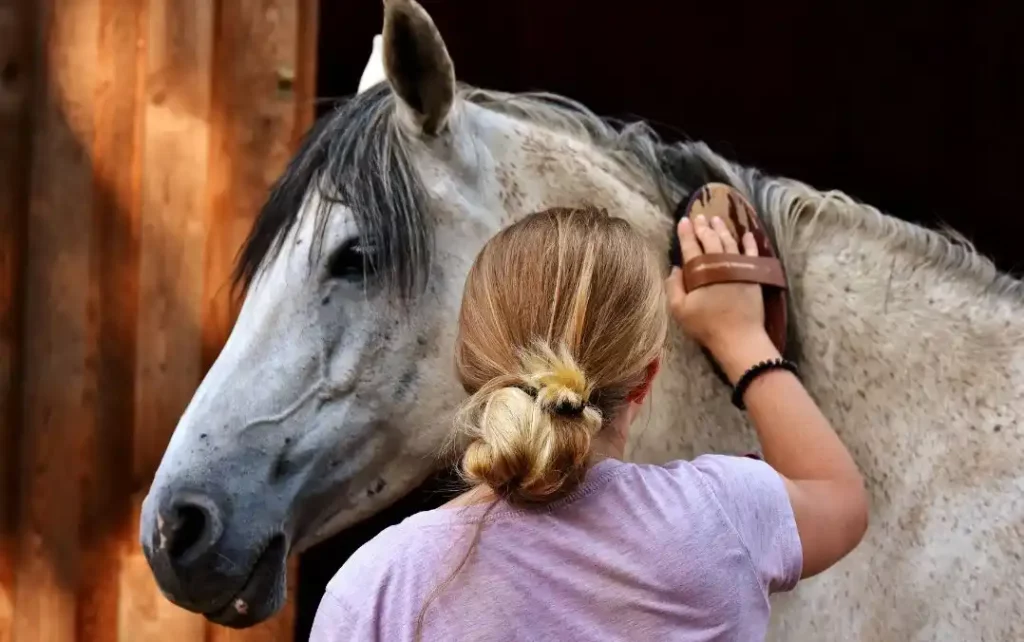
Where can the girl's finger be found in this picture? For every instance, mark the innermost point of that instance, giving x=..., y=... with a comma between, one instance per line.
x=749, y=245
x=688, y=240
x=728, y=242
x=707, y=236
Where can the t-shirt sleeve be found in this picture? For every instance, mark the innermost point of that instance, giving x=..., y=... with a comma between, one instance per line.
x=351, y=606
x=335, y=622
x=755, y=502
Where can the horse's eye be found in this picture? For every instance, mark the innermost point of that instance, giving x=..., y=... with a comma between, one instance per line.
x=353, y=261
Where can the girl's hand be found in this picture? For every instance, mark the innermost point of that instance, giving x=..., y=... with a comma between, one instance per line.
x=722, y=316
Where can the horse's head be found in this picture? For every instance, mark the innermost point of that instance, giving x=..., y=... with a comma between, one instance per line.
x=332, y=395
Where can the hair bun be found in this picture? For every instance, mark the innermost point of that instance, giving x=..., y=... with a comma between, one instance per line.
x=524, y=455
x=559, y=385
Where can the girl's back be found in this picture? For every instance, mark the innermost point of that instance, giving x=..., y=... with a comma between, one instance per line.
x=687, y=551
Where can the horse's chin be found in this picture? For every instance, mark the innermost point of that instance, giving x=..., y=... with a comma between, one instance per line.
x=262, y=595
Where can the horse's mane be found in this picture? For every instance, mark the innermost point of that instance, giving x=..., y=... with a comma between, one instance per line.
x=358, y=156
x=791, y=209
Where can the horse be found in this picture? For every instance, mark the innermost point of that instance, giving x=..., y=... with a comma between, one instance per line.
x=334, y=391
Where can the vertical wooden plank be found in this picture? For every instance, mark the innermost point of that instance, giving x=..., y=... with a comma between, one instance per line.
x=262, y=102
x=308, y=35
x=16, y=71
x=175, y=140
x=106, y=508
x=59, y=353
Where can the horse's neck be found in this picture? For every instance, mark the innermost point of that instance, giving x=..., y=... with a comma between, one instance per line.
x=894, y=341
x=906, y=355
x=876, y=313
x=891, y=294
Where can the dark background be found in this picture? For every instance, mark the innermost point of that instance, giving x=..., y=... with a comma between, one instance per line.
x=913, y=107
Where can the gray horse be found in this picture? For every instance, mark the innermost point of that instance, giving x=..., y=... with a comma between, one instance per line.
x=334, y=391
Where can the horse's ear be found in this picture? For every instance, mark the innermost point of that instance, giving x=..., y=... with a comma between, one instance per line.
x=417, y=65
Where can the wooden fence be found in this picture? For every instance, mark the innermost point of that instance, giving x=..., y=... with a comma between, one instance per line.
x=137, y=141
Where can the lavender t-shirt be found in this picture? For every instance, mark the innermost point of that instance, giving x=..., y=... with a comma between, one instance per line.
x=687, y=551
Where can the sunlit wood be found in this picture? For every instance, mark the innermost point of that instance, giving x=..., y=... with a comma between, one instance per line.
x=135, y=149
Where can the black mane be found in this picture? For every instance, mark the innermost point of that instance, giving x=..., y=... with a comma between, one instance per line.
x=358, y=158
x=355, y=158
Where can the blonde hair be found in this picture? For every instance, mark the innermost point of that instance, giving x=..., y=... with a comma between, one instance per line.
x=563, y=313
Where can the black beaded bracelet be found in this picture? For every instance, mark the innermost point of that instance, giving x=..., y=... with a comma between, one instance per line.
x=756, y=371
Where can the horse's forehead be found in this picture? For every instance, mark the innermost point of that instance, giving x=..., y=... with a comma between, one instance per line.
x=321, y=215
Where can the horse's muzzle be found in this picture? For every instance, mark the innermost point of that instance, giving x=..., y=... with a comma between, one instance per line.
x=203, y=564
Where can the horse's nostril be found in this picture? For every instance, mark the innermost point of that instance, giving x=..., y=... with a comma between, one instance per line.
x=189, y=525
x=187, y=530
